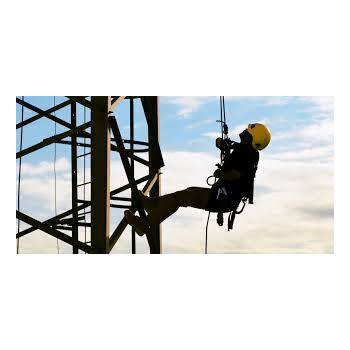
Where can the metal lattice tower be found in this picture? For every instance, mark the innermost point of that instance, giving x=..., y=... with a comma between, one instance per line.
x=101, y=136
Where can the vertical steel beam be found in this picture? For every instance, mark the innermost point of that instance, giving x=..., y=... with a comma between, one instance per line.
x=127, y=168
x=132, y=138
x=151, y=109
x=100, y=174
x=74, y=175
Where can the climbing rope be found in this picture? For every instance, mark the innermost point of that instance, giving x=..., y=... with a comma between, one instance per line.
x=84, y=179
x=224, y=132
x=54, y=170
x=19, y=177
x=206, y=234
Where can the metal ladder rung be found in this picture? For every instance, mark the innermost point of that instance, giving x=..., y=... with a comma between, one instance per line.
x=83, y=184
x=70, y=220
x=123, y=199
x=83, y=155
x=120, y=206
x=85, y=213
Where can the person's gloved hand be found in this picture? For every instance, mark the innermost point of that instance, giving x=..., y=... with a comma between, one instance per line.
x=218, y=142
x=218, y=173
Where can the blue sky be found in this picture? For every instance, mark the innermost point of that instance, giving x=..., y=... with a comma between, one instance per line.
x=186, y=123
x=295, y=172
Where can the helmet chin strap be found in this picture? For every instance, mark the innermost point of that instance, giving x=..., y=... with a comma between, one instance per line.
x=245, y=137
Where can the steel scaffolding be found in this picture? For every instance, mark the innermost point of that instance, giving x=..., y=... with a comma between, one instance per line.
x=103, y=137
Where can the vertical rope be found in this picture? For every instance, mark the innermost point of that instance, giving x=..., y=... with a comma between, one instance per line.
x=222, y=123
x=19, y=178
x=84, y=192
x=206, y=235
x=222, y=129
x=221, y=117
x=54, y=170
x=224, y=109
x=132, y=163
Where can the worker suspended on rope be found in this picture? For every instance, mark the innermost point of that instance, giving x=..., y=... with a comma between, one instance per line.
x=235, y=181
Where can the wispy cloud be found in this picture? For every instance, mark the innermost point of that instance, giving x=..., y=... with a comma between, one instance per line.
x=45, y=167
x=319, y=131
x=200, y=123
x=275, y=223
x=188, y=104
x=212, y=134
x=313, y=154
x=323, y=105
x=262, y=100
x=291, y=214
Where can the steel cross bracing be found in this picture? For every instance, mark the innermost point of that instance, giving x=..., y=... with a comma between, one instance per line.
x=98, y=143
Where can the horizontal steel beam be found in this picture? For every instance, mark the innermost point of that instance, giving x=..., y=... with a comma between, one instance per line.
x=66, y=228
x=80, y=144
x=52, y=220
x=122, y=199
x=120, y=206
x=113, y=148
x=38, y=116
x=126, y=187
x=51, y=231
x=53, y=139
x=141, y=143
x=43, y=113
x=81, y=100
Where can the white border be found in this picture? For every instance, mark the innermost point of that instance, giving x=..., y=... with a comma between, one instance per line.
x=172, y=48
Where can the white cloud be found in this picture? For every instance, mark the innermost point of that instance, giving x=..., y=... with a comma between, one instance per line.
x=188, y=104
x=292, y=210
x=316, y=154
x=29, y=169
x=323, y=105
x=38, y=200
x=200, y=123
x=288, y=215
x=276, y=100
x=320, y=105
x=263, y=100
x=319, y=132
x=212, y=134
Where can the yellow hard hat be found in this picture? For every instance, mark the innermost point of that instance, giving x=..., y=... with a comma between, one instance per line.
x=261, y=135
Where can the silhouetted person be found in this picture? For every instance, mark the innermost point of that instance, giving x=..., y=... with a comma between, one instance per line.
x=235, y=180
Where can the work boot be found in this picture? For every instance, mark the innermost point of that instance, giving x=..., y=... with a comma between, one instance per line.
x=148, y=203
x=140, y=225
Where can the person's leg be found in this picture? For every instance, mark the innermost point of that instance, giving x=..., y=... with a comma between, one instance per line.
x=160, y=208
x=196, y=197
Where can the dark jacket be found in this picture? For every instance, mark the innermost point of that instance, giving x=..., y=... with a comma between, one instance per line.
x=244, y=159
